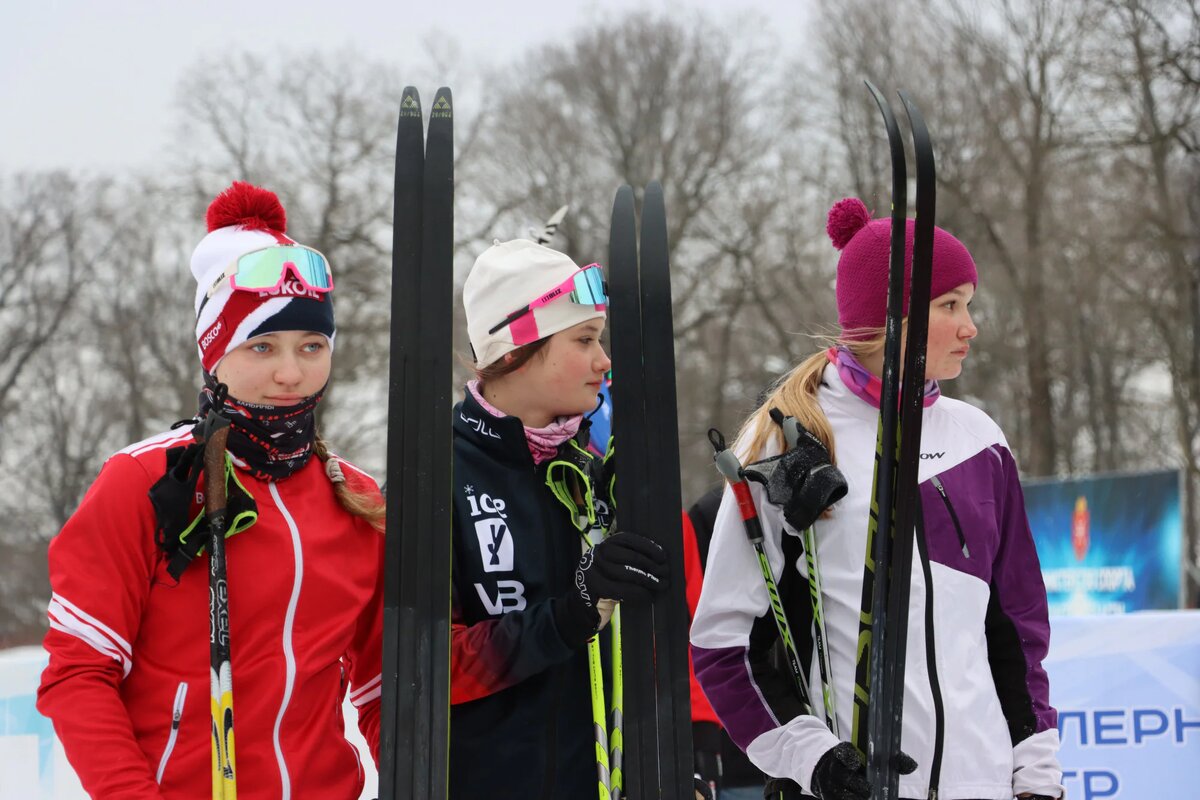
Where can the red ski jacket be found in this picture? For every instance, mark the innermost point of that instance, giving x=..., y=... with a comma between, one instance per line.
x=127, y=685
x=702, y=711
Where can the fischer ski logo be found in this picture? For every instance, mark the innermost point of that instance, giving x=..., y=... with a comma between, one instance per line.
x=495, y=545
x=510, y=596
x=479, y=426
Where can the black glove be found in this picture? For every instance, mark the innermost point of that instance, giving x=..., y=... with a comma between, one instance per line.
x=702, y=789
x=625, y=566
x=840, y=774
x=802, y=481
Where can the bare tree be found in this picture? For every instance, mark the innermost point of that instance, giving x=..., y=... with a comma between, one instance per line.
x=46, y=254
x=1152, y=86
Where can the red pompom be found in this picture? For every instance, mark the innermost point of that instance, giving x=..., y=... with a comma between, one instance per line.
x=249, y=206
x=846, y=218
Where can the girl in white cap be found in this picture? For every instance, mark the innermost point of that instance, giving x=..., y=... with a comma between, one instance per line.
x=128, y=681
x=526, y=597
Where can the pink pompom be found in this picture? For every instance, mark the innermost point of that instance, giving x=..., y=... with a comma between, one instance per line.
x=846, y=218
x=249, y=206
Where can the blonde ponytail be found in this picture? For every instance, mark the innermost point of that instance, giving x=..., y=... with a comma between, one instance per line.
x=795, y=394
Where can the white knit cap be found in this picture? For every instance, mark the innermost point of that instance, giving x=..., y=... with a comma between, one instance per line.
x=242, y=219
x=507, y=276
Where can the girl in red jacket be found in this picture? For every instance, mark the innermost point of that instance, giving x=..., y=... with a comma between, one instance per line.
x=127, y=686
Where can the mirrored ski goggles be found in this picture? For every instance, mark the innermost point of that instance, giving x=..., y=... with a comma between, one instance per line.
x=268, y=268
x=586, y=288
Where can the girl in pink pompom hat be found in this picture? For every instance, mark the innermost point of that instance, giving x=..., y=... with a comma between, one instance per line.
x=977, y=715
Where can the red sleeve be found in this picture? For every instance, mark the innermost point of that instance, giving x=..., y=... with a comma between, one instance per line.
x=101, y=566
x=494, y=654
x=702, y=711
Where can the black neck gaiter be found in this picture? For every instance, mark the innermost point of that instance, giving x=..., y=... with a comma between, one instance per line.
x=272, y=442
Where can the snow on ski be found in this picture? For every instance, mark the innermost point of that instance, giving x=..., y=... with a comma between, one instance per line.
x=414, y=734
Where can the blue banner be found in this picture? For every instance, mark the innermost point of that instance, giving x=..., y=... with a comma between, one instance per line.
x=1108, y=544
x=1127, y=690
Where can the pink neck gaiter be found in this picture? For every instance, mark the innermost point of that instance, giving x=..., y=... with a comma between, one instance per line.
x=866, y=385
x=543, y=442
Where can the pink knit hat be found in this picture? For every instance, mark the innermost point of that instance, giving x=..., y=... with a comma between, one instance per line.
x=862, y=271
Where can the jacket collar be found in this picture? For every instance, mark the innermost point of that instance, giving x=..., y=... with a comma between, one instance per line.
x=501, y=438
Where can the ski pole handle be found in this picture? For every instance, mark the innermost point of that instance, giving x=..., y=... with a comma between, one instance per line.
x=791, y=428
x=731, y=468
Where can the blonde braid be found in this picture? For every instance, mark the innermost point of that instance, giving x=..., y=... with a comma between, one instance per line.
x=358, y=504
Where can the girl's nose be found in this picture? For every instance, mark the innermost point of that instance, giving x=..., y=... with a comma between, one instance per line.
x=287, y=371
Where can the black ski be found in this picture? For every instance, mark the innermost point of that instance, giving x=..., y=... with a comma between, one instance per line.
x=632, y=491
x=414, y=728
x=657, y=711
x=876, y=572
x=671, y=624
x=907, y=497
x=887, y=578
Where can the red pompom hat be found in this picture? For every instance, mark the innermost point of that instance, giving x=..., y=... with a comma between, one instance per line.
x=862, y=272
x=242, y=219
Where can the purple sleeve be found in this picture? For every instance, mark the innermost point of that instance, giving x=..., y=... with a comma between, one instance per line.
x=728, y=681
x=1018, y=625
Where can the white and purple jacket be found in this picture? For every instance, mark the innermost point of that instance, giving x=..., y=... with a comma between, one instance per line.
x=977, y=621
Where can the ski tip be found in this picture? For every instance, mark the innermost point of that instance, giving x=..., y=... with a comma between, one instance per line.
x=910, y=108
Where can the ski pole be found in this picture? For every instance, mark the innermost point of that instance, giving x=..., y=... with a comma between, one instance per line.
x=731, y=468
x=599, y=716
x=224, y=776
x=617, y=717
x=791, y=434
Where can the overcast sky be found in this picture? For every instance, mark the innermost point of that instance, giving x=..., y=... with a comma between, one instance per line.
x=90, y=84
